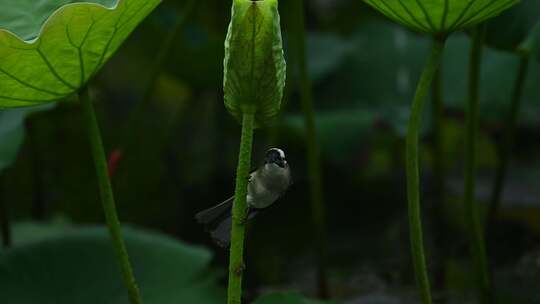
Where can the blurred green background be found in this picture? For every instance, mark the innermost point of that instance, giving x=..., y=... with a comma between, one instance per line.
x=179, y=155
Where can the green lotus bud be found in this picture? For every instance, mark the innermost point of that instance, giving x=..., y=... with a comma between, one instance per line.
x=254, y=64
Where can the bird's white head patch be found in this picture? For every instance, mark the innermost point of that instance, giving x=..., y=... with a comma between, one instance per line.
x=275, y=156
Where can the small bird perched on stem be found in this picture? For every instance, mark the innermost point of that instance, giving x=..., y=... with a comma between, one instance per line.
x=266, y=185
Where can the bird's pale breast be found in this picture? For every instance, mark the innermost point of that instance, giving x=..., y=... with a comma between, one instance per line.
x=266, y=186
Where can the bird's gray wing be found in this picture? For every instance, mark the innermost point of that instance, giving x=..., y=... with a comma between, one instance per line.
x=211, y=214
x=208, y=215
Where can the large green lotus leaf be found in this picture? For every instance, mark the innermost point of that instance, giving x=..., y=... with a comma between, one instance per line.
x=254, y=64
x=77, y=265
x=350, y=105
x=286, y=298
x=25, y=18
x=389, y=88
x=43, y=61
x=440, y=16
x=27, y=232
x=12, y=132
x=512, y=29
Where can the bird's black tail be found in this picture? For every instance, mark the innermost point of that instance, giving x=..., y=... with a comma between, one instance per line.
x=218, y=221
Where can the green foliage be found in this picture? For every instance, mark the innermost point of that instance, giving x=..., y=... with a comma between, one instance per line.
x=254, y=64
x=286, y=298
x=25, y=19
x=361, y=89
x=349, y=124
x=514, y=29
x=438, y=16
x=76, y=265
x=325, y=53
x=48, y=64
x=28, y=232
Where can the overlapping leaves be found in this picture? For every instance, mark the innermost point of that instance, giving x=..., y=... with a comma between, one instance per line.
x=76, y=265
x=382, y=99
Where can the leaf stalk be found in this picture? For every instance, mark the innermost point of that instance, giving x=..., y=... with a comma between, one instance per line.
x=239, y=211
x=413, y=180
x=474, y=224
x=107, y=196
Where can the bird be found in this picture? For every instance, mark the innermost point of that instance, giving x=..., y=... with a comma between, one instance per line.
x=265, y=186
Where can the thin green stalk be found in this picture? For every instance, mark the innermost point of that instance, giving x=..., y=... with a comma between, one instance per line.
x=239, y=212
x=318, y=209
x=508, y=140
x=107, y=197
x=4, y=218
x=413, y=180
x=476, y=233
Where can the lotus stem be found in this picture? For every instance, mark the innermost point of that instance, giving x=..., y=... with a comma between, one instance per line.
x=413, y=180
x=476, y=233
x=239, y=211
x=107, y=197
